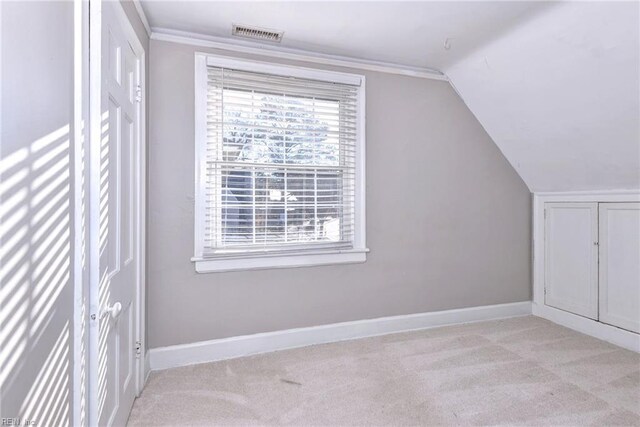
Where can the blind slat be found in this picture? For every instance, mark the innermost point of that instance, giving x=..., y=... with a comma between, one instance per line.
x=280, y=163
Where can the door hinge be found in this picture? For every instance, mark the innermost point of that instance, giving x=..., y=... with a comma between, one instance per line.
x=138, y=349
x=138, y=93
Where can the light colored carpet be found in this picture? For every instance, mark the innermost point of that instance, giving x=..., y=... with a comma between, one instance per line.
x=522, y=371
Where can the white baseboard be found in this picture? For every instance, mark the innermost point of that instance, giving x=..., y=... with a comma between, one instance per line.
x=147, y=366
x=617, y=336
x=228, y=348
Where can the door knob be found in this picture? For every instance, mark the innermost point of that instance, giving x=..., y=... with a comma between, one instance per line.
x=113, y=310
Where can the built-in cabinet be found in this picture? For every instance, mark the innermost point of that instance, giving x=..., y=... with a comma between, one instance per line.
x=592, y=261
x=619, y=265
x=571, y=257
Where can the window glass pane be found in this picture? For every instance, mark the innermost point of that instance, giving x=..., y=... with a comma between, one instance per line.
x=276, y=206
x=264, y=128
x=280, y=162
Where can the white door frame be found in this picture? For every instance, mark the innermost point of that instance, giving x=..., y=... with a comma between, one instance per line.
x=95, y=93
x=591, y=327
x=80, y=220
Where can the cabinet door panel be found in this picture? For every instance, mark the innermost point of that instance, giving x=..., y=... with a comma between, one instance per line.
x=571, y=257
x=620, y=265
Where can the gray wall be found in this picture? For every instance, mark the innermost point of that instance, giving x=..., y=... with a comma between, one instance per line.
x=37, y=335
x=448, y=219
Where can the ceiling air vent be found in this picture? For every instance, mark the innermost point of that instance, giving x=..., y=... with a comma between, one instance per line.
x=255, y=33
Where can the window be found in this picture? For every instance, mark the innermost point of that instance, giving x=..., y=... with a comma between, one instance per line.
x=279, y=166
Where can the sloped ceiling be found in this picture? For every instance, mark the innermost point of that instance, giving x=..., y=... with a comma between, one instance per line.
x=555, y=84
x=560, y=95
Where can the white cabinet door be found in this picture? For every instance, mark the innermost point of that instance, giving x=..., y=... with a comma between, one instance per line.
x=620, y=265
x=571, y=257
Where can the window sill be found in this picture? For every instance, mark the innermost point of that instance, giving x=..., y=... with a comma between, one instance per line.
x=253, y=262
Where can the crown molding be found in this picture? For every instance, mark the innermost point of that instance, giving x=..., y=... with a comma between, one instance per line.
x=223, y=43
x=143, y=16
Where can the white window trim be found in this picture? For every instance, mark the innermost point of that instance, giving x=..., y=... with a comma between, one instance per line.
x=322, y=256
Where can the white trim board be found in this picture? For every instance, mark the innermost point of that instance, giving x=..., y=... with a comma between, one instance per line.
x=602, y=331
x=80, y=145
x=147, y=368
x=590, y=195
x=242, y=46
x=142, y=15
x=228, y=348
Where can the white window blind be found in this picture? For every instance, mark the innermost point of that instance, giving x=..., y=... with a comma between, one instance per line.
x=280, y=163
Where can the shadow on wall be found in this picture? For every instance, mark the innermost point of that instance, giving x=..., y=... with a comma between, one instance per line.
x=36, y=297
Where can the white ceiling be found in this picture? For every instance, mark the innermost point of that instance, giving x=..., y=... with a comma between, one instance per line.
x=556, y=85
x=560, y=96
x=408, y=33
